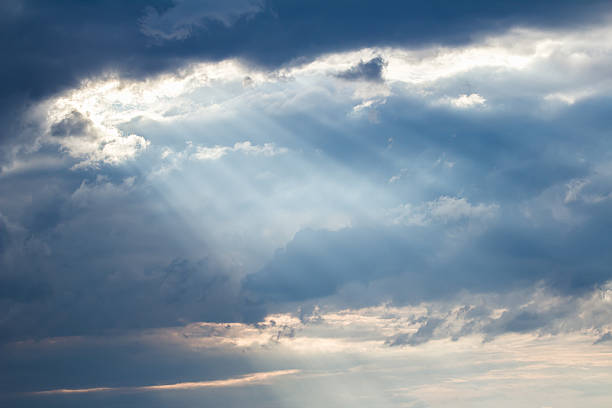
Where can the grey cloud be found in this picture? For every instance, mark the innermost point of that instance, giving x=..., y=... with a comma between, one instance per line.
x=187, y=16
x=518, y=322
x=74, y=124
x=412, y=264
x=93, y=261
x=11, y=8
x=545, y=314
x=184, y=281
x=318, y=263
x=17, y=289
x=424, y=333
x=130, y=359
x=606, y=337
x=371, y=70
x=4, y=234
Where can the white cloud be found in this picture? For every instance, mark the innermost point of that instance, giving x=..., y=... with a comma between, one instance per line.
x=444, y=209
x=464, y=101
x=397, y=177
x=267, y=149
x=85, y=137
x=249, y=379
x=574, y=187
x=211, y=153
x=111, y=148
x=394, y=178
x=216, y=152
x=102, y=146
x=452, y=208
x=570, y=97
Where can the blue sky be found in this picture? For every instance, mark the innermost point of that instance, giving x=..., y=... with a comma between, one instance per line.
x=282, y=203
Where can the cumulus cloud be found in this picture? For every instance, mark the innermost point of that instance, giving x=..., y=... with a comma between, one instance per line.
x=93, y=144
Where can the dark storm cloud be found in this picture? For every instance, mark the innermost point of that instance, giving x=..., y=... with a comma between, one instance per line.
x=84, y=258
x=17, y=289
x=50, y=46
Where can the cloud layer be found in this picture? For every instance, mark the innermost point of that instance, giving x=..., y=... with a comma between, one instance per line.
x=392, y=204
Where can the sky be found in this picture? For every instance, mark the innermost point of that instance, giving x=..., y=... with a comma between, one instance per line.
x=282, y=203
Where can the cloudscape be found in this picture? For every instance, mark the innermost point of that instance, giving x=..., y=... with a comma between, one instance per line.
x=278, y=203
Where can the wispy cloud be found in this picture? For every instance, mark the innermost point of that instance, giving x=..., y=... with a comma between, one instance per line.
x=249, y=379
x=217, y=152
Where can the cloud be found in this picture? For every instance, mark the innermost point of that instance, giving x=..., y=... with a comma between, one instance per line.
x=606, y=337
x=201, y=191
x=419, y=232
x=464, y=101
x=146, y=273
x=245, y=380
x=453, y=208
x=93, y=144
x=437, y=240
x=422, y=335
x=187, y=16
x=199, y=361
x=270, y=35
x=518, y=322
x=18, y=289
x=216, y=152
x=428, y=260
x=444, y=209
x=371, y=70
x=317, y=263
x=573, y=189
